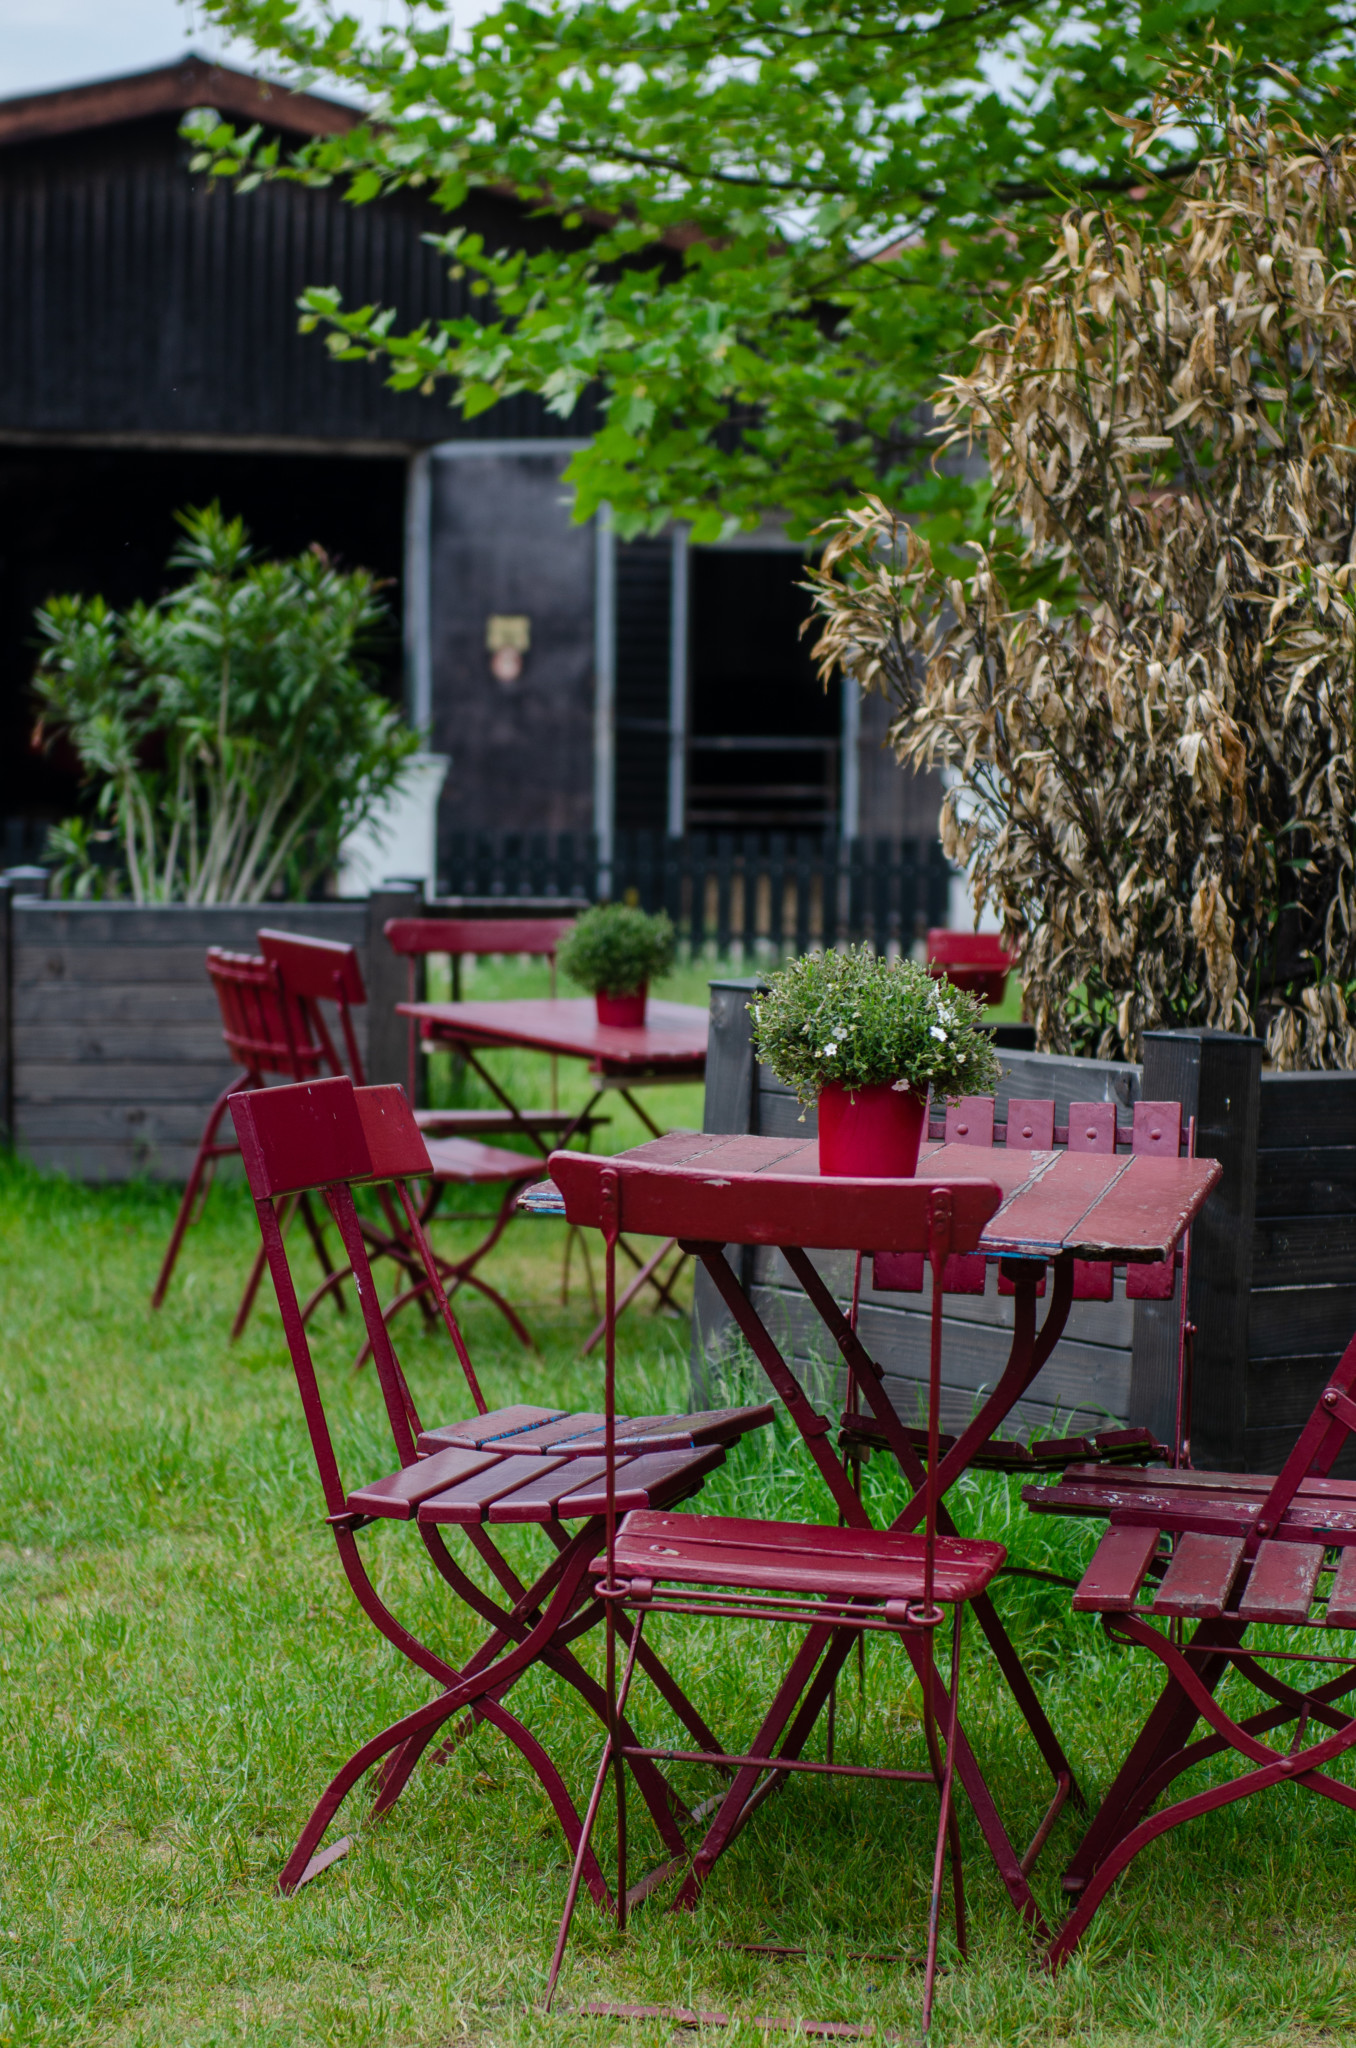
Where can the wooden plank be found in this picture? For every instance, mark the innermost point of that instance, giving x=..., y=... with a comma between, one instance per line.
x=1303, y=1251
x=1342, y=1594
x=729, y=1057
x=1116, y=1572
x=1314, y=1180
x=469, y=1500
x=1151, y=1204
x=186, y=1041
x=100, y=1164
x=1215, y=1078
x=1282, y=1391
x=399, y=1495
x=119, y=925
x=1281, y=1584
x=1307, y=1109
x=1323, y=1318
x=1201, y=1575
x=1109, y=1323
x=1266, y=1450
x=106, y=1123
x=142, y=1005
x=1077, y=1375
x=121, y=1082
x=655, y=1479
x=484, y=1429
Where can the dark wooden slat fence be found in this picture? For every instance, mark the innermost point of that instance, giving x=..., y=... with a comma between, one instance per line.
x=782, y=891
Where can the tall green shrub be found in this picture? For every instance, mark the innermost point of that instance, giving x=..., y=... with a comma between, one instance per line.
x=229, y=731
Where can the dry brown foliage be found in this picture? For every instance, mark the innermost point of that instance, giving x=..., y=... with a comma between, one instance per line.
x=1154, y=776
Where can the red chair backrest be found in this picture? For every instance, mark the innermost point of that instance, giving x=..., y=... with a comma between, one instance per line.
x=967, y=949
x=263, y=1030
x=976, y=961
x=326, y=1137
x=312, y=971
x=460, y=936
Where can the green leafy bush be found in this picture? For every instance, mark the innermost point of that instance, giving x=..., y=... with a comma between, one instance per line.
x=614, y=949
x=229, y=730
x=853, y=1018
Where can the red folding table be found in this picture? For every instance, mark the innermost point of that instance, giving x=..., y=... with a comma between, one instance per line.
x=670, y=1046
x=1058, y=1206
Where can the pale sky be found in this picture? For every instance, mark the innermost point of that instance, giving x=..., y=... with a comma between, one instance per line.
x=46, y=43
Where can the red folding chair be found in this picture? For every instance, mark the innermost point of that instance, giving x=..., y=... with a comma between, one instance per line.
x=1231, y=1552
x=976, y=961
x=272, y=1033
x=464, y=938
x=312, y=971
x=477, y=1475
x=824, y=1580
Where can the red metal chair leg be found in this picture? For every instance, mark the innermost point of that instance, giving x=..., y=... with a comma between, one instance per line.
x=202, y=1158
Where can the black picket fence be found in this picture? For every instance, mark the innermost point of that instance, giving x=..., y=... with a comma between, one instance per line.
x=736, y=891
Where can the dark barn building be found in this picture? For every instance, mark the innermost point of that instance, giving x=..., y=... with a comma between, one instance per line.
x=150, y=359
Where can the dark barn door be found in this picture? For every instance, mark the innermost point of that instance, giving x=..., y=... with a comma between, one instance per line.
x=101, y=521
x=764, y=736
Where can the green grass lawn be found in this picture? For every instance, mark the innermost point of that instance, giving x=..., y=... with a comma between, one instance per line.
x=183, y=1667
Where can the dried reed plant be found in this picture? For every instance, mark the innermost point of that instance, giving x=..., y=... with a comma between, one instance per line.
x=1152, y=769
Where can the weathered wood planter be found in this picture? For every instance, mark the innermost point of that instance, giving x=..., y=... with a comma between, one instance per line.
x=110, y=1037
x=1273, y=1281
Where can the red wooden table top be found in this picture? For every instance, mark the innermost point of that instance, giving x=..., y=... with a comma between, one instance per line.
x=748, y=1190
x=674, y=1034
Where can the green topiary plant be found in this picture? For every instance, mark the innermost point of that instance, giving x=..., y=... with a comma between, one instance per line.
x=615, y=950
x=860, y=1021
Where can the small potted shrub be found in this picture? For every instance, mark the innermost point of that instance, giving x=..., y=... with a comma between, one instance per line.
x=616, y=952
x=866, y=1039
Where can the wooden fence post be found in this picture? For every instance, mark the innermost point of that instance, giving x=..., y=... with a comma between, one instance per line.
x=731, y=1105
x=387, y=984
x=1217, y=1077
x=6, y=1014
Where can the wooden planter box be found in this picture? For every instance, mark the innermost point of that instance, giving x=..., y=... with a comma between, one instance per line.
x=110, y=1036
x=1273, y=1279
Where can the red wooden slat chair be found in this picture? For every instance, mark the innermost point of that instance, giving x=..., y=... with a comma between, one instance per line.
x=466, y=938
x=271, y=1035
x=311, y=970
x=822, y=1580
x=1230, y=1551
x=477, y=1475
x=469, y=938
x=1156, y=1127
x=976, y=961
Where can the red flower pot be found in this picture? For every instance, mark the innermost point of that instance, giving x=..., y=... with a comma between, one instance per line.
x=625, y=1010
x=872, y=1132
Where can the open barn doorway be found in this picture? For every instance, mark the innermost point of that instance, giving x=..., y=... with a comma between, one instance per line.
x=764, y=743
x=101, y=520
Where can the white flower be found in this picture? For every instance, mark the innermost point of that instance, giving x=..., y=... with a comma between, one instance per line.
x=828, y=1052
x=939, y=1034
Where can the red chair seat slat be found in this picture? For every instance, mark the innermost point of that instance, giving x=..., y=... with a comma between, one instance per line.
x=485, y=1429
x=653, y=1480
x=1201, y=1576
x=471, y=1123
x=681, y=1432
x=789, y=1557
x=1342, y=1592
x=466, y=1160
x=471, y=1499
x=1117, y=1571
x=400, y=1494
x=1282, y=1582
x=553, y=1438
x=1312, y=1517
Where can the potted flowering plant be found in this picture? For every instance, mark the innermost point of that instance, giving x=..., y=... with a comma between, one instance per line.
x=866, y=1039
x=617, y=951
